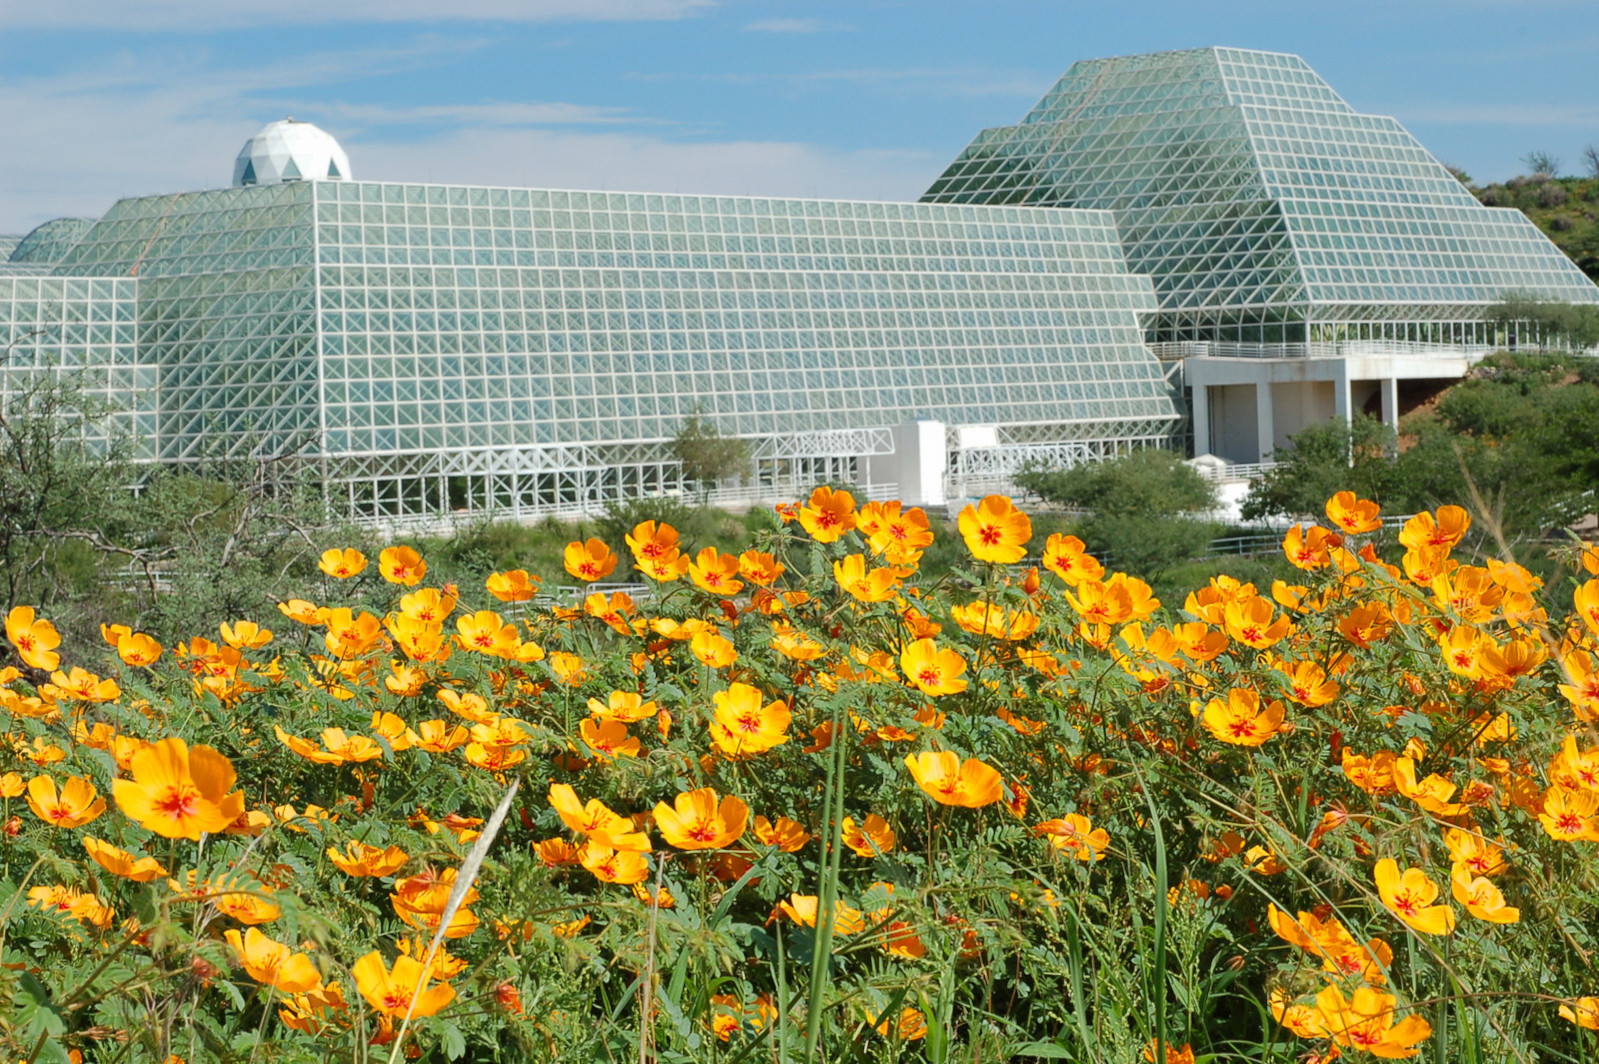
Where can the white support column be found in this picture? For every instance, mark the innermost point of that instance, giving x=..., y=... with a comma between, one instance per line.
x=1265, y=432
x=1341, y=400
x=1199, y=414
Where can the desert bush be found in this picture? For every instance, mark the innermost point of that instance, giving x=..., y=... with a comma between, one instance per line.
x=805, y=803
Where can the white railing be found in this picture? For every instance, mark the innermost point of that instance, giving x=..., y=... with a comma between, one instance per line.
x=1176, y=351
x=1233, y=471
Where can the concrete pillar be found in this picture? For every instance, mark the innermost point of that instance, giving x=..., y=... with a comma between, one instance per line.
x=1341, y=400
x=920, y=461
x=1199, y=414
x=1265, y=432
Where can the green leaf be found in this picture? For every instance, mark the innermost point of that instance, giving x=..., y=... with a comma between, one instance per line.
x=452, y=1041
x=1042, y=1050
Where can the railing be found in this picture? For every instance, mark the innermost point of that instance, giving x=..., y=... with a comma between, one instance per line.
x=1176, y=351
x=1233, y=471
x=571, y=596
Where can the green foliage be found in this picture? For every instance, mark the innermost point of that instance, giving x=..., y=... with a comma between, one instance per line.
x=1566, y=209
x=1323, y=459
x=1144, y=483
x=1572, y=323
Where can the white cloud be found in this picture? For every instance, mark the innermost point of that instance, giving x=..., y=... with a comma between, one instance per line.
x=1503, y=114
x=920, y=81
x=794, y=25
x=147, y=124
x=200, y=16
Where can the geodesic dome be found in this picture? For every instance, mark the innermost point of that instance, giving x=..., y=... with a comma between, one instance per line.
x=290, y=151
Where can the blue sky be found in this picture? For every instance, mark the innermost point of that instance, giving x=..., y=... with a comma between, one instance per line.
x=104, y=98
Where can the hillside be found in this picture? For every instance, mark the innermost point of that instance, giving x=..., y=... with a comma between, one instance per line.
x=1565, y=208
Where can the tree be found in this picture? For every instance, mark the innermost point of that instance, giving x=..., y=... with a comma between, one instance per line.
x=1142, y=507
x=707, y=457
x=59, y=485
x=1575, y=324
x=1321, y=461
x=1590, y=159
x=1542, y=163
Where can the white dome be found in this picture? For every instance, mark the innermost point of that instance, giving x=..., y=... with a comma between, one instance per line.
x=290, y=151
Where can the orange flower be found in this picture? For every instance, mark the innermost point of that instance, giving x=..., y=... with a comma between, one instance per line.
x=596, y=820
x=514, y=586
x=828, y=515
x=1064, y=556
x=712, y=650
x=122, y=863
x=910, y=1026
x=341, y=747
x=1481, y=898
x=1308, y=684
x=759, y=568
x=1075, y=834
x=649, y=541
x=1570, y=816
x=995, y=531
x=716, y=572
x=613, y=866
x=1584, y=1012
x=802, y=909
x=1424, y=532
x=786, y=835
x=698, y=821
x=400, y=991
x=439, y=737
x=1183, y=1054
x=402, y=565
x=271, y=963
x=1410, y=897
x=1373, y=775
x=487, y=633
x=1308, y=548
x=608, y=739
x=625, y=707
x=871, y=838
x=931, y=670
x=1366, y=1022
x=865, y=585
x=993, y=620
x=951, y=781
x=75, y=806
x=35, y=639
x=178, y=792
x=1250, y=621
x=342, y=564
x=1240, y=720
x=359, y=859
x=554, y=853
x=742, y=727
x=1353, y=515
x=138, y=650
x=589, y=561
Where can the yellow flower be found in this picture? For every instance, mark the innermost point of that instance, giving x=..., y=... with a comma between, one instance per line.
x=716, y=572
x=870, y=838
x=76, y=805
x=1250, y=621
x=596, y=820
x=1410, y=897
x=1064, y=556
x=342, y=564
x=589, y=561
x=802, y=909
x=35, y=639
x=828, y=515
x=1354, y=516
x=742, y=727
x=995, y=531
x=933, y=671
x=759, y=568
x=1570, y=816
x=951, y=781
x=1240, y=720
x=439, y=737
x=178, y=792
x=649, y=541
x=994, y=620
x=245, y=635
x=487, y=633
x=401, y=990
x=1424, y=532
x=696, y=820
x=402, y=565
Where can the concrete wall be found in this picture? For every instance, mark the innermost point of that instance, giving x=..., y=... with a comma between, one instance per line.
x=1233, y=423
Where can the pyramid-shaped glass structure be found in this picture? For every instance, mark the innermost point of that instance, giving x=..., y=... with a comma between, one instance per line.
x=1263, y=207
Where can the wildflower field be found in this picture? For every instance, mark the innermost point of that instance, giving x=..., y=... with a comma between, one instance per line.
x=804, y=803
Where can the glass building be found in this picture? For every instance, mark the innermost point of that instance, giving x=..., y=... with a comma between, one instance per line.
x=1262, y=206
x=445, y=348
